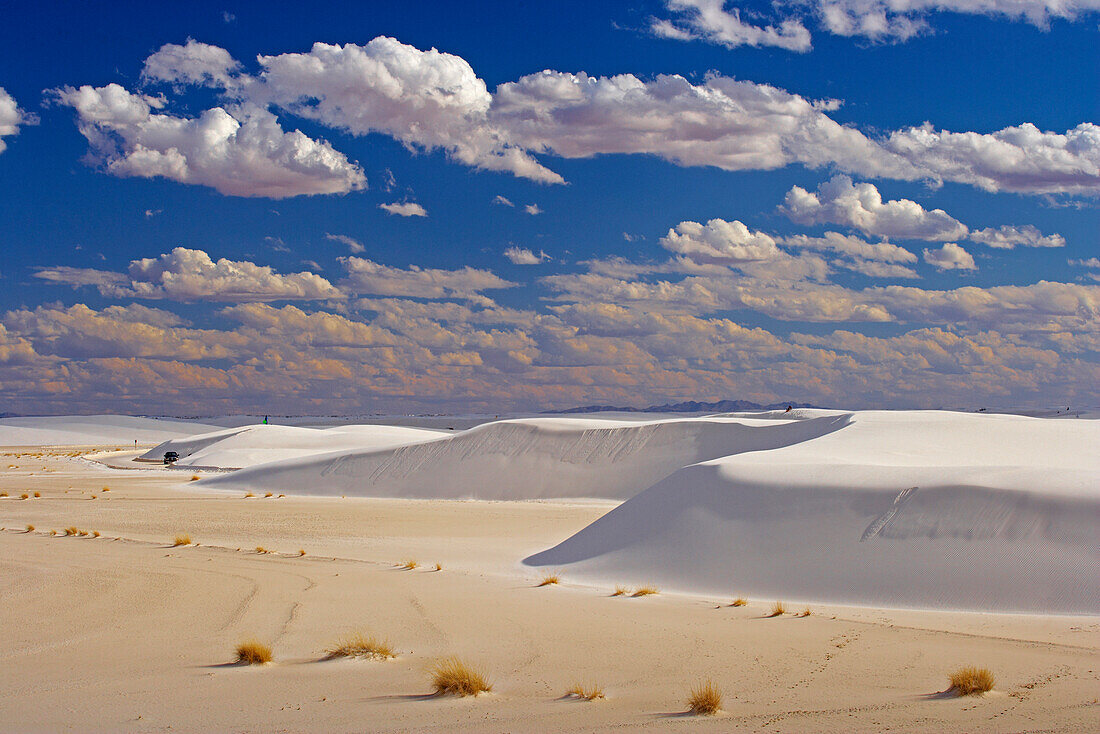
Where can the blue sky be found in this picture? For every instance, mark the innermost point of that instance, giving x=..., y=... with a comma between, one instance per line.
x=525, y=206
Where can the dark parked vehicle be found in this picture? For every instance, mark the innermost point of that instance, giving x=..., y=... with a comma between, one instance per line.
x=171, y=457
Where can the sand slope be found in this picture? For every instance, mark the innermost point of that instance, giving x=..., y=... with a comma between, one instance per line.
x=902, y=509
x=535, y=458
x=93, y=430
x=250, y=445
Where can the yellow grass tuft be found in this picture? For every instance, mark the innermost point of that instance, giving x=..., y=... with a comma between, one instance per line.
x=30, y=528
x=550, y=579
x=37, y=494
x=590, y=693
x=806, y=612
x=621, y=591
x=301, y=551
x=269, y=494
x=95, y=533
x=248, y=494
x=454, y=677
x=182, y=539
x=409, y=564
x=24, y=496
x=3, y=494
x=971, y=681
x=71, y=531
x=739, y=602
x=705, y=699
x=261, y=549
x=106, y=489
x=439, y=567
x=251, y=652
x=646, y=590
x=195, y=477
x=53, y=532
x=779, y=608
x=359, y=645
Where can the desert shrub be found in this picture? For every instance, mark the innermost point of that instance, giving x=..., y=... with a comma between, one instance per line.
x=779, y=608
x=705, y=699
x=195, y=477
x=251, y=652
x=739, y=602
x=806, y=612
x=454, y=677
x=181, y=539
x=301, y=551
x=71, y=531
x=37, y=494
x=439, y=567
x=410, y=564
x=269, y=494
x=260, y=549
x=24, y=496
x=589, y=693
x=646, y=590
x=30, y=528
x=549, y=579
x=359, y=645
x=970, y=681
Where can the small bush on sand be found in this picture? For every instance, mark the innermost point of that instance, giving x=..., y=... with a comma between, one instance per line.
x=549, y=579
x=361, y=646
x=589, y=693
x=301, y=551
x=621, y=591
x=269, y=494
x=646, y=591
x=37, y=495
x=181, y=539
x=248, y=494
x=251, y=652
x=705, y=699
x=970, y=681
x=95, y=533
x=106, y=489
x=739, y=602
x=195, y=477
x=454, y=677
x=71, y=531
x=260, y=549
x=806, y=612
x=439, y=567
x=30, y=528
x=24, y=496
x=3, y=494
x=779, y=608
x=410, y=564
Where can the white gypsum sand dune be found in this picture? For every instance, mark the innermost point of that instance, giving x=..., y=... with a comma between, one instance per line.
x=534, y=458
x=250, y=445
x=899, y=509
x=93, y=430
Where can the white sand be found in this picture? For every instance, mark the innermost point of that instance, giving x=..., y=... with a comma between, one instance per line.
x=94, y=430
x=125, y=633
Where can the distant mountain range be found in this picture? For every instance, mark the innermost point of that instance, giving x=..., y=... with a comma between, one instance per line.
x=690, y=406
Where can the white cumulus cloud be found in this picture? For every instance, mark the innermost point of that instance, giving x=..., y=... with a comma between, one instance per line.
x=245, y=153
x=405, y=209
x=367, y=276
x=524, y=256
x=709, y=20
x=1008, y=237
x=11, y=117
x=719, y=241
x=950, y=257
x=860, y=206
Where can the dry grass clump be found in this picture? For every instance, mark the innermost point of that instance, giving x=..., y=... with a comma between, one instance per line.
x=739, y=602
x=301, y=551
x=95, y=533
x=248, y=494
x=37, y=495
x=195, y=477
x=806, y=612
x=251, y=652
x=24, y=496
x=646, y=591
x=409, y=564
x=106, y=489
x=705, y=699
x=779, y=608
x=181, y=539
x=3, y=494
x=261, y=549
x=269, y=494
x=439, y=567
x=971, y=681
x=359, y=645
x=621, y=591
x=71, y=530
x=589, y=693
x=550, y=579
x=53, y=532
x=451, y=676
x=30, y=528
